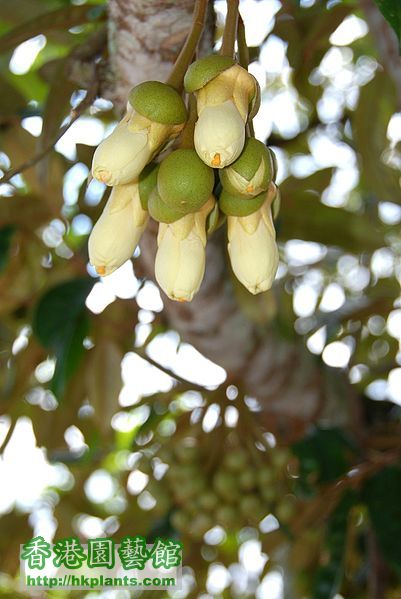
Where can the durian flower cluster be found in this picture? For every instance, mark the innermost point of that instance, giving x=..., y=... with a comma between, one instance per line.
x=153, y=175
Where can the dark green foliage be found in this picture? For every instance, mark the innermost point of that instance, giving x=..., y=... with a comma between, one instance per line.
x=61, y=323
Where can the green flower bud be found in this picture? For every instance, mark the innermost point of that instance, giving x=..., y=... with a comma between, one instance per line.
x=251, y=507
x=208, y=500
x=286, y=509
x=225, y=484
x=184, y=182
x=159, y=211
x=186, y=453
x=180, y=520
x=147, y=183
x=227, y=516
x=235, y=460
x=159, y=102
x=247, y=480
x=200, y=524
x=205, y=69
x=234, y=205
x=266, y=477
x=251, y=173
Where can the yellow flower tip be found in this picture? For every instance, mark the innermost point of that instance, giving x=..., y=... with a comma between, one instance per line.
x=181, y=300
x=216, y=160
x=104, y=176
x=249, y=189
x=101, y=270
x=260, y=287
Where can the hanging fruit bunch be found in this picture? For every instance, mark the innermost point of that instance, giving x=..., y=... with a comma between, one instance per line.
x=236, y=489
x=162, y=162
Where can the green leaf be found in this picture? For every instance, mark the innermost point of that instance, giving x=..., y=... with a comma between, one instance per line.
x=324, y=454
x=6, y=234
x=11, y=100
x=391, y=10
x=61, y=323
x=63, y=18
x=328, y=577
x=369, y=121
x=303, y=216
x=382, y=494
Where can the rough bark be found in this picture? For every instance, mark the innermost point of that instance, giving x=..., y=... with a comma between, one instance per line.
x=144, y=38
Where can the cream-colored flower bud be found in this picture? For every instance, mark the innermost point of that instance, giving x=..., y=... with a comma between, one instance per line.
x=180, y=258
x=253, y=250
x=219, y=134
x=158, y=134
x=120, y=158
x=117, y=232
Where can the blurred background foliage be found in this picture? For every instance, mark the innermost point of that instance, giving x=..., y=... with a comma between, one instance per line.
x=111, y=423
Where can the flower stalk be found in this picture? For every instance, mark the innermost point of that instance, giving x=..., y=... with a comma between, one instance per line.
x=186, y=55
x=230, y=29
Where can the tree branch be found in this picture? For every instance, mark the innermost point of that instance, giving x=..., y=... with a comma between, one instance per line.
x=74, y=115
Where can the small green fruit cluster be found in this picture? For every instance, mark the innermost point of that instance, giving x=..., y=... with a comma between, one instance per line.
x=238, y=492
x=182, y=184
x=246, y=181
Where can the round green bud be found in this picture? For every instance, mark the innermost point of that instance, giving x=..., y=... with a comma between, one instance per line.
x=192, y=506
x=251, y=507
x=180, y=520
x=227, y=516
x=147, y=182
x=159, y=102
x=225, y=484
x=189, y=488
x=280, y=458
x=237, y=206
x=208, y=500
x=204, y=70
x=246, y=169
x=160, y=211
x=247, y=480
x=286, y=509
x=269, y=494
x=236, y=460
x=200, y=524
x=184, y=181
x=186, y=453
x=266, y=477
x=181, y=472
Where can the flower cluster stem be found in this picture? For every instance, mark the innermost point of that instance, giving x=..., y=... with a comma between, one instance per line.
x=243, y=55
x=230, y=29
x=186, y=55
x=187, y=136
